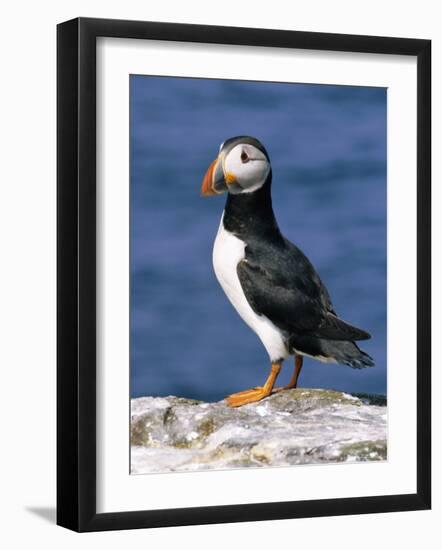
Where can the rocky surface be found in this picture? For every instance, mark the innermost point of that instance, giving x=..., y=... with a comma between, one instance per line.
x=301, y=426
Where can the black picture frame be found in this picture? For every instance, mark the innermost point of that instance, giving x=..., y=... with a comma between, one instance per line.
x=76, y=274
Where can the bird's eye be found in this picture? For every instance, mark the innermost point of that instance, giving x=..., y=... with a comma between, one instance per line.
x=244, y=157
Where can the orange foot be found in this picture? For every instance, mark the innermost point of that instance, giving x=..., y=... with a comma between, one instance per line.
x=247, y=396
x=283, y=388
x=255, y=394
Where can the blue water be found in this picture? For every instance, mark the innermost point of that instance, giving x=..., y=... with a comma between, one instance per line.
x=327, y=145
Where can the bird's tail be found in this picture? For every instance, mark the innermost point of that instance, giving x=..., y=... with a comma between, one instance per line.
x=347, y=353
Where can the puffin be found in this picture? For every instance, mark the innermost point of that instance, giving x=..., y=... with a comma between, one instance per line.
x=270, y=282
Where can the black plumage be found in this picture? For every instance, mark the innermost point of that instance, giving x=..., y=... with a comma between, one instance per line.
x=280, y=282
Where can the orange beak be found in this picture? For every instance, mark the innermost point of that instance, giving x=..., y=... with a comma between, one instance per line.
x=207, y=188
x=214, y=182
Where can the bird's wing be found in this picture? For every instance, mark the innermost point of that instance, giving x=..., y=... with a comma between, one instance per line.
x=289, y=292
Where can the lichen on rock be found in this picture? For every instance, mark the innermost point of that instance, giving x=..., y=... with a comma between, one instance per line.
x=300, y=426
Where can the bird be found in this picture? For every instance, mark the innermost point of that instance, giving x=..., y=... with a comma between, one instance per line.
x=269, y=281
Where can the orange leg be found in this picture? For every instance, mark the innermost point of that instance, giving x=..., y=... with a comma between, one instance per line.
x=255, y=394
x=294, y=379
x=298, y=366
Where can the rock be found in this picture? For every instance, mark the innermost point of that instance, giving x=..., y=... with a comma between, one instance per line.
x=300, y=426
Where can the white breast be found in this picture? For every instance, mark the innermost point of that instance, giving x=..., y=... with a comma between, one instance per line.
x=228, y=251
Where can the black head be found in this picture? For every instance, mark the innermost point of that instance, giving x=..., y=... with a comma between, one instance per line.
x=242, y=166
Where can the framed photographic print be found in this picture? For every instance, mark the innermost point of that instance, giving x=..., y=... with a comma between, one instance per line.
x=243, y=274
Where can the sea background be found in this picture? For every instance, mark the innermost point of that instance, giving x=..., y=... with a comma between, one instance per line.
x=327, y=146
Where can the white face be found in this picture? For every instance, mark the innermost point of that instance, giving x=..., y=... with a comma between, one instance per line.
x=248, y=166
